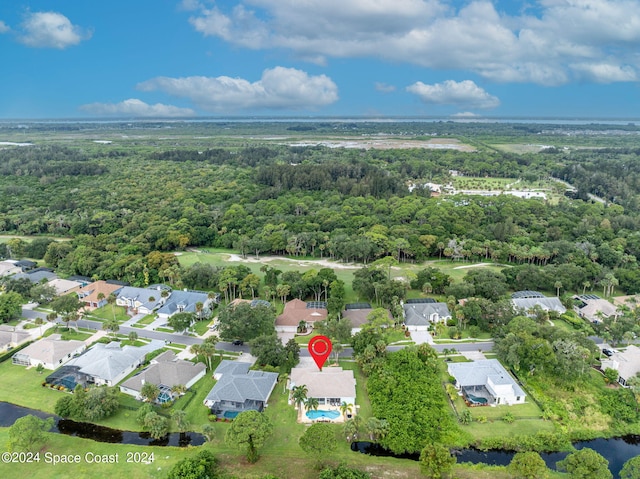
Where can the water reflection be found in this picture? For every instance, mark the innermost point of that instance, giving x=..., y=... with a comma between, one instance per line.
x=10, y=412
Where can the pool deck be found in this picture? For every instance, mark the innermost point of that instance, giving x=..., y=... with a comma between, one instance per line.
x=302, y=415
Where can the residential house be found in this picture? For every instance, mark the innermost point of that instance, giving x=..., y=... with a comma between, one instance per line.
x=108, y=364
x=139, y=300
x=26, y=264
x=297, y=311
x=165, y=371
x=184, y=302
x=593, y=308
x=357, y=314
x=626, y=362
x=37, y=275
x=486, y=382
x=94, y=295
x=238, y=389
x=9, y=267
x=528, y=300
x=418, y=316
x=11, y=338
x=51, y=352
x=64, y=286
x=331, y=387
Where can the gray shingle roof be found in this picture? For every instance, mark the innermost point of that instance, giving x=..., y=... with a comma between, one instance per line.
x=477, y=373
x=108, y=361
x=166, y=369
x=548, y=304
x=185, y=300
x=141, y=295
x=419, y=314
x=238, y=387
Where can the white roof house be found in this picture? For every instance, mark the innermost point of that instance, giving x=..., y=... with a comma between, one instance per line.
x=52, y=352
x=11, y=338
x=9, y=267
x=109, y=363
x=331, y=386
x=626, y=362
x=486, y=382
x=63, y=286
x=183, y=302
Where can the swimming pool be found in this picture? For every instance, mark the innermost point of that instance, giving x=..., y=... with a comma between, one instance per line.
x=321, y=413
x=230, y=414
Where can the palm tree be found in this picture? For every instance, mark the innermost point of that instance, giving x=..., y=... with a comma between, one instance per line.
x=111, y=325
x=111, y=299
x=100, y=297
x=299, y=395
x=376, y=428
x=558, y=286
x=311, y=403
x=208, y=350
x=346, y=409
x=199, y=308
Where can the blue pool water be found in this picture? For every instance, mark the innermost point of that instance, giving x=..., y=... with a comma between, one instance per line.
x=320, y=413
x=230, y=414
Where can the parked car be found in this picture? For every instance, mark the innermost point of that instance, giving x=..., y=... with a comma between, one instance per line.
x=238, y=342
x=607, y=352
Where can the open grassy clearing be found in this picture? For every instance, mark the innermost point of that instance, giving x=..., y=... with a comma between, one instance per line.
x=106, y=313
x=344, y=272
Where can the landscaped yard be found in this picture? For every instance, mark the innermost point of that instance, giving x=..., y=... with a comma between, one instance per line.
x=70, y=333
x=106, y=313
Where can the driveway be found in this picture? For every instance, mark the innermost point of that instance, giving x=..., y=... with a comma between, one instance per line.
x=421, y=337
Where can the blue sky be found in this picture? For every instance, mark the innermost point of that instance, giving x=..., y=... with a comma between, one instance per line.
x=182, y=58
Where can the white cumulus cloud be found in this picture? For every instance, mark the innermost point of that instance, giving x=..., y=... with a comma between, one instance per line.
x=279, y=88
x=4, y=28
x=51, y=30
x=463, y=94
x=137, y=108
x=549, y=42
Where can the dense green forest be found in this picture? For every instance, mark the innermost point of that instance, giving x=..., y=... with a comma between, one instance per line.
x=125, y=203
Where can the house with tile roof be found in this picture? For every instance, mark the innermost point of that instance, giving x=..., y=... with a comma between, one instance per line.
x=419, y=316
x=89, y=294
x=165, y=371
x=9, y=267
x=296, y=311
x=52, y=352
x=486, y=382
x=238, y=389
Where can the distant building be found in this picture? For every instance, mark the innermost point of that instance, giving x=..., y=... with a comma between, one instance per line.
x=419, y=316
x=528, y=300
x=296, y=311
x=593, y=308
x=94, y=295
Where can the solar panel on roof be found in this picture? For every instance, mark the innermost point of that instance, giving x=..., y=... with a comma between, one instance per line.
x=357, y=306
x=590, y=296
x=316, y=305
x=420, y=301
x=526, y=294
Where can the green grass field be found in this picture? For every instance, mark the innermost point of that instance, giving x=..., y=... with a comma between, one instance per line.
x=106, y=313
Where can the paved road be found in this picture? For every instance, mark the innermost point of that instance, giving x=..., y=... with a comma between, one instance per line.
x=189, y=340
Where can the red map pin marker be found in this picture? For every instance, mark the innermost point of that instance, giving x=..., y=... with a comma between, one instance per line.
x=320, y=349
